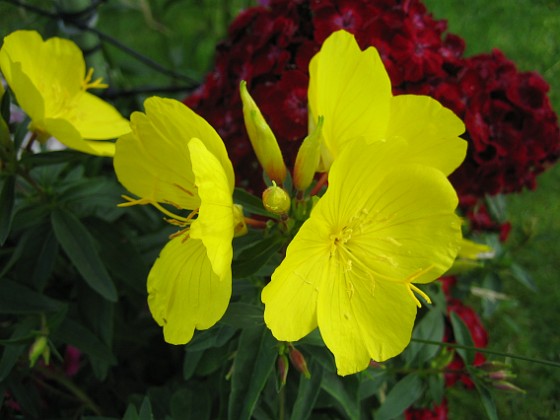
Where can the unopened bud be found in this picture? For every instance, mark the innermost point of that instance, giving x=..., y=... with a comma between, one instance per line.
x=299, y=362
x=474, y=251
x=40, y=347
x=239, y=225
x=492, y=365
x=262, y=138
x=283, y=366
x=508, y=386
x=276, y=200
x=307, y=160
x=501, y=375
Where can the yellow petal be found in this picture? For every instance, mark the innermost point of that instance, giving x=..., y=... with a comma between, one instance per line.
x=64, y=132
x=176, y=121
x=97, y=119
x=362, y=319
x=351, y=89
x=431, y=130
x=154, y=161
x=28, y=97
x=184, y=293
x=215, y=224
x=291, y=296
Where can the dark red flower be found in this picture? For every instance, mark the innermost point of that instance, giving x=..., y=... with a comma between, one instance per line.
x=435, y=412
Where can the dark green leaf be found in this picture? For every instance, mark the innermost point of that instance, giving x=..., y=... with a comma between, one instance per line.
x=7, y=207
x=243, y=315
x=252, y=366
x=79, y=336
x=21, y=132
x=436, y=385
x=11, y=353
x=212, y=338
x=190, y=363
x=45, y=260
x=191, y=404
x=51, y=158
x=16, y=298
x=486, y=398
x=370, y=383
x=400, y=397
x=431, y=328
x=308, y=391
x=523, y=277
x=145, y=412
x=131, y=412
x=79, y=246
x=5, y=106
x=463, y=337
x=336, y=388
x=250, y=203
x=254, y=257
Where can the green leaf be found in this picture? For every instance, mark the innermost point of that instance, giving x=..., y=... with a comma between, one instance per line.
x=252, y=366
x=251, y=259
x=7, y=196
x=308, y=391
x=400, y=397
x=523, y=277
x=11, y=353
x=463, y=337
x=370, y=383
x=45, y=260
x=79, y=246
x=436, y=385
x=131, y=412
x=145, y=412
x=51, y=158
x=5, y=106
x=16, y=298
x=212, y=338
x=336, y=388
x=71, y=332
x=243, y=315
x=431, y=328
x=250, y=203
x=486, y=399
x=191, y=404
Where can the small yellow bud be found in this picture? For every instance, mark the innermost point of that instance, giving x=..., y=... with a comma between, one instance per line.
x=307, y=160
x=40, y=347
x=262, y=138
x=240, y=227
x=276, y=200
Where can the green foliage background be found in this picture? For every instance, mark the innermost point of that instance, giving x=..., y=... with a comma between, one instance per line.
x=181, y=35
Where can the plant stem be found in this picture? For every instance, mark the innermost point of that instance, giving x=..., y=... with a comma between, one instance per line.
x=488, y=351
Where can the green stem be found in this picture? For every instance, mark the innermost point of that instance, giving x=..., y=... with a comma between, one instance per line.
x=488, y=351
x=69, y=385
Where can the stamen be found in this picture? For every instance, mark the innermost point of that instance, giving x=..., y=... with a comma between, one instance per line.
x=134, y=201
x=96, y=84
x=411, y=288
x=173, y=215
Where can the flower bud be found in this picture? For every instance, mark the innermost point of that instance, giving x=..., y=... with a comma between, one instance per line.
x=240, y=227
x=508, y=386
x=262, y=138
x=299, y=362
x=276, y=200
x=307, y=160
x=283, y=366
x=501, y=375
x=40, y=347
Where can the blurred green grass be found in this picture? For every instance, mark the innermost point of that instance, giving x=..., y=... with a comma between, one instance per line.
x=181, y=35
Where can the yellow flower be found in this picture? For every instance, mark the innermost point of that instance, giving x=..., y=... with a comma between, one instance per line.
x=50, y=83
x=385, y=223
x=352, y=90
x=173, y=157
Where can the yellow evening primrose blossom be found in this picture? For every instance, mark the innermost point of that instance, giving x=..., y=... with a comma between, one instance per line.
x=351, y=89
x=50, y=83
x=174, y=159
x=385, y=224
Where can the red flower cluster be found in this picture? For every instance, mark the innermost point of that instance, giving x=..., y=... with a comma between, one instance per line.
x=436, y=412
x=511, y=128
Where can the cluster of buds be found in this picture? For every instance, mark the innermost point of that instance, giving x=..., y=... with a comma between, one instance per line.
x=498, y=375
